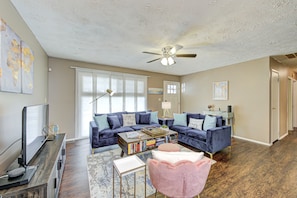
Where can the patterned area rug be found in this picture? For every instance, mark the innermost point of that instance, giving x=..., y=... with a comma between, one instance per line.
x=100, y=167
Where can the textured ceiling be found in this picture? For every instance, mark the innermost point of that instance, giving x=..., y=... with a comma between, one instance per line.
x=114, y=32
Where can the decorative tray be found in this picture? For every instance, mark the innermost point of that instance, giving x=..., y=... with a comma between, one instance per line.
x=153, y=131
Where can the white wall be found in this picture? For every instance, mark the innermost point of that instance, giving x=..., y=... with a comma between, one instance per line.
x=11, y=104
x=249, y=85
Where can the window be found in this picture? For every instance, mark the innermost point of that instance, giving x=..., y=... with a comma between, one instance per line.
x=171, y=89
x=130, y=95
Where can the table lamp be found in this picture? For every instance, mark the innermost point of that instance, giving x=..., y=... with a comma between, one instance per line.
x=166, y=106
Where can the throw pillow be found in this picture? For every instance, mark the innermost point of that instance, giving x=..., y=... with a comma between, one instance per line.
x=209, y=122
x=180, y=119
x=154, y=117
x=196, y=123
x=114, y=122
x=129, y=119
x=144, y=118
x=101, y=122
x=174, y=157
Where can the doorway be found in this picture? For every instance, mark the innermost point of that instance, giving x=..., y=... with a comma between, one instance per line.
x=171, y=94
x=274, y=112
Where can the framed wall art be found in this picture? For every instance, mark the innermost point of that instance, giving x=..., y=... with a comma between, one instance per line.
x=220, y=90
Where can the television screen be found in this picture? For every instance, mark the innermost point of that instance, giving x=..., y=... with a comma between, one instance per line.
x=34, y=130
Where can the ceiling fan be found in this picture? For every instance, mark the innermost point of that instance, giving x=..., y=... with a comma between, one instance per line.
x=168, y=53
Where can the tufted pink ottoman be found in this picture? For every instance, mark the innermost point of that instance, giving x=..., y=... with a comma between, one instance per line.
x=169, y=147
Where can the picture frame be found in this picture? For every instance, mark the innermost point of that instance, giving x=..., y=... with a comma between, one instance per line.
x=220, y=90
x=157, y=91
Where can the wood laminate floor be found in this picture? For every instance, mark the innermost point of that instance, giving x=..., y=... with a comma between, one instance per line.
x=252, y=170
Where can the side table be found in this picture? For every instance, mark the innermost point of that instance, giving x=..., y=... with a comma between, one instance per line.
x=164, y=121
x=126, y=166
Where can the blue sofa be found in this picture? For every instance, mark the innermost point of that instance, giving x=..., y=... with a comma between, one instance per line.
x=210, y=141
x=107, y=135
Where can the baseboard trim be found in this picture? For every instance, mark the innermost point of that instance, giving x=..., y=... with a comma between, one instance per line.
x=250, y=140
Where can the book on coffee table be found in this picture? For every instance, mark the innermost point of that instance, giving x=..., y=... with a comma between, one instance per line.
x=132, y=135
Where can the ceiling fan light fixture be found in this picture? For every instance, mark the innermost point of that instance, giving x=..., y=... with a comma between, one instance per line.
x=167, y=61
x=170, y=61
x=164, y=61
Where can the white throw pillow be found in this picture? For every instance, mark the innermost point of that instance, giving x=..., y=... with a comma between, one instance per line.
x=196, y=123
x=174, y=157
x=129, y=119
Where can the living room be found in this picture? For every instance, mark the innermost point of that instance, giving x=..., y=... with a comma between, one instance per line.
x=249, y=92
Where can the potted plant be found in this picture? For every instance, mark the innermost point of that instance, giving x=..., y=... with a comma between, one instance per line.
x=164, y=127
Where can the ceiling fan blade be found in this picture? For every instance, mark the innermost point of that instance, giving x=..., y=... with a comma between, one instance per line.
x=186, y=55
x=152, y=53
x=154, y=60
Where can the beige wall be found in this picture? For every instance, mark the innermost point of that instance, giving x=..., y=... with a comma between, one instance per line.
x=62, y=90
x=249, y=85
x=11, y=104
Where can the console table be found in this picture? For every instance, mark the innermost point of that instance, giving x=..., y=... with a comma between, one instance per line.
x=47, y=178
x=227, y=116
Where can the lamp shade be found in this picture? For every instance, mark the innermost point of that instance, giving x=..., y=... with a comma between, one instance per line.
x=166, y=105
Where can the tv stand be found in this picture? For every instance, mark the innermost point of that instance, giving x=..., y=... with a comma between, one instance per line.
x=46, y=181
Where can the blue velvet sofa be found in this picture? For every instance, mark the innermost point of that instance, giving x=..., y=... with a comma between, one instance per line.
x=105, y=127
x=209, y=139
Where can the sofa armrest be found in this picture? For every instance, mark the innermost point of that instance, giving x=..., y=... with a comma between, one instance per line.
x=218, y=138
x=94, y=134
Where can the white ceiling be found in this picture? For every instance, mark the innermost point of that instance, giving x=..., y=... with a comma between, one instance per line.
x=115, y=32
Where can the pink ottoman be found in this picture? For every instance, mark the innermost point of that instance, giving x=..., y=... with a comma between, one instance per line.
x=169, y=147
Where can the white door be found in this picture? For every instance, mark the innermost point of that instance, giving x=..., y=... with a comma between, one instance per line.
x=294, y=109
x=274, y=106
x=171, y=94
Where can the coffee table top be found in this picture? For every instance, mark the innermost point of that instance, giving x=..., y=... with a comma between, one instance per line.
x=143, y=136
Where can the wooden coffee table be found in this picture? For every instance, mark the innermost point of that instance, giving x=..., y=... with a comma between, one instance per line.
x=144, y=141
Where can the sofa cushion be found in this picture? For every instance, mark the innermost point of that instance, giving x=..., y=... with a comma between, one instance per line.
x=101, y=122
x=122, y=129
x=209, y=122
x=180, y=119
x=180, y=129
x=197, y=134
x=173, y=157
x=144, y=118
x=107, y=133
x=196, y=123
x=154, y=117
x=113, y=121
x=129, y=119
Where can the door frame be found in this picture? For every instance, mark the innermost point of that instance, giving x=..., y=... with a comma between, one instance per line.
x=274, y=137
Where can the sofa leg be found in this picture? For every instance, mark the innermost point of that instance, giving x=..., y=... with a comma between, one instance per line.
x=210, y=154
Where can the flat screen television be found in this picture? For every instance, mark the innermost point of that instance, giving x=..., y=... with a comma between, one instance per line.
x=35, y=122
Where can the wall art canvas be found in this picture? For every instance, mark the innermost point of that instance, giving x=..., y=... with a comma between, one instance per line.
x=155, y=91
x=10, y=59
x=220, y=90
x=27, y=60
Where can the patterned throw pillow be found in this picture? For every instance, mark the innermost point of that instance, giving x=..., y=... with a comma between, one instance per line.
x=101, y=122
x=196, y=123
x=129, y=119
x=180, y=119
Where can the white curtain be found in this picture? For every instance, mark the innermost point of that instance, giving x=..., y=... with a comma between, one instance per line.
x=130, y=95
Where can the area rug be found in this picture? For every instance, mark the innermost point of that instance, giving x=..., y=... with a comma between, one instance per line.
x=100, y=167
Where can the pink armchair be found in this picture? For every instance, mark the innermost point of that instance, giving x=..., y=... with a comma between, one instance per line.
x=182, y=179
